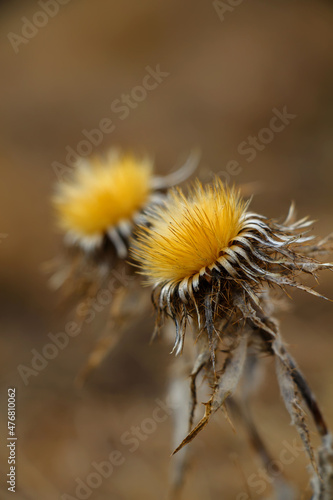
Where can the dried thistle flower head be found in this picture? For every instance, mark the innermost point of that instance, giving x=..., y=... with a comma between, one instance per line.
x=189, y=235
x=214, y=262
x=202, y=251
x=97, y=209
x=104, y=198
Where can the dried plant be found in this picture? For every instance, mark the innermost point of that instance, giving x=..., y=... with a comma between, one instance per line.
x=214, y=263
x=97, y=209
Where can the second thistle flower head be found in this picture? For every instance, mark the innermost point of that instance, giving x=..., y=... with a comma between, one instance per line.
x=209, y=257
x=104, y=197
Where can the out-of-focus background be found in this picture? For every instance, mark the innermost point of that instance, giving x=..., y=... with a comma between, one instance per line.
x=224, y=72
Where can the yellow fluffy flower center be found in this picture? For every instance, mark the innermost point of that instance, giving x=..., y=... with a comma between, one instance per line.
x=102, y=194
x=188, y=234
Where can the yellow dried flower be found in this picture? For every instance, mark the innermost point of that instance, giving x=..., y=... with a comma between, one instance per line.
x=188, y=235
x=213, y=262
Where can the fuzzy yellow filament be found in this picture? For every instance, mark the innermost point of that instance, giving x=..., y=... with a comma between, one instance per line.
x=103, y=193
x=189, y=233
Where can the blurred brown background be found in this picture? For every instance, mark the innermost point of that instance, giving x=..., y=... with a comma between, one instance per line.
x=226, y=76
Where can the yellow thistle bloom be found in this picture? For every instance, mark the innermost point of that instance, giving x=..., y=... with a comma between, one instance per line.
x=189, y=235
x=204, y=248
x=103, y=198
x=103, y=194
x=214, y=262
